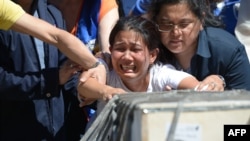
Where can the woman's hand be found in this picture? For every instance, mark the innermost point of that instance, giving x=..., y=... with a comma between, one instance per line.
x=211, y=83
x=99, y=73
x=107, y=93
x=91, y=89
x=67, y=70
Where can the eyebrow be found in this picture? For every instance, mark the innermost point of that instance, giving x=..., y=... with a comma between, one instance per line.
x=180, y=21
x=188, y=12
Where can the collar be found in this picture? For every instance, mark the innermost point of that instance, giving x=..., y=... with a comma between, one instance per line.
x=203, y=48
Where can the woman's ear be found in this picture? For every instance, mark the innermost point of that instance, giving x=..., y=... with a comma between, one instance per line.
x=154, y=55
x=110, y=48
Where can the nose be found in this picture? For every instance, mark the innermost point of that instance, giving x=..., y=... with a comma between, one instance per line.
x=176, y=30
x=127, y=55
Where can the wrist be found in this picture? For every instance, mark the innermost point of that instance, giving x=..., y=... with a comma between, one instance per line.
x=97, y=63
x=223, y=80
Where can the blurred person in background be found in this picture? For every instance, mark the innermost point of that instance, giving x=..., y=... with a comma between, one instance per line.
x=242, y=30
x=90, y=20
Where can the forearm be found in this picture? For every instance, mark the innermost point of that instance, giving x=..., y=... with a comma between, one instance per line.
x=67, y=43
x=189, y=82
x=75, y=50
x=105, y=26
x=91, y=89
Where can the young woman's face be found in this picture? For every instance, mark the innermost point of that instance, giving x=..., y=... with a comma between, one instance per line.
x=179, y=28
x=130, y=56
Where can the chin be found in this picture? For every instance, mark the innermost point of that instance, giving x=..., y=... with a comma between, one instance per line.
x=128, y=76
x=175, y=50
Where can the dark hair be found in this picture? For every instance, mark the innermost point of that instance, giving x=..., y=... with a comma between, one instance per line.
x=200, y=8
x=145, y=28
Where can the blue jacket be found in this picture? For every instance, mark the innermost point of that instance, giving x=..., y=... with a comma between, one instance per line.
x=32, y=103
x=221, y=53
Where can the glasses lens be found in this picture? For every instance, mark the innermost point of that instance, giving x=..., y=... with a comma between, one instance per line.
x=165, y=27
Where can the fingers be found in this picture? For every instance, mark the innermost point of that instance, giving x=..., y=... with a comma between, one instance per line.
x=99, y=73
x=111, y=92
x=107, y=97
x=66, y=71
x=84, y=76
x=217, y=87
x=212, y=86
x=70, y=67
x=168, y=88
x=210, y=83
x=73, y=66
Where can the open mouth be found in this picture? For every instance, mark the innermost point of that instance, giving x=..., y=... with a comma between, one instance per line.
x=129, y=68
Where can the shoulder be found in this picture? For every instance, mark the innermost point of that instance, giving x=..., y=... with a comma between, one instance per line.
x=219, y=41
x=161, y=68
x=9, y=13
x=218, y=37
x=165, y=74
x=163, y=71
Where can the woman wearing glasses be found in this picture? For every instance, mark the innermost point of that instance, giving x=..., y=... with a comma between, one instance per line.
x=198, y=46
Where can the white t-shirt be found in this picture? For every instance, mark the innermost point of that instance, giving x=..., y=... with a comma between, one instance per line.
x=160, y=76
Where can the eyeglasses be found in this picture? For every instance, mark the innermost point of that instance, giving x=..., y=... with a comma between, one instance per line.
x=170, y=27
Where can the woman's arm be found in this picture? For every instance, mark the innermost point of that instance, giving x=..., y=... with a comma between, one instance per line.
x=189, y=82
x=67, y=43
x=211, y=83
x=92, y=89
x=108, y=17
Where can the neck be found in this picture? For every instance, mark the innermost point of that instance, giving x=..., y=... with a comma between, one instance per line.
x=137, y=84
x=184, y=59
